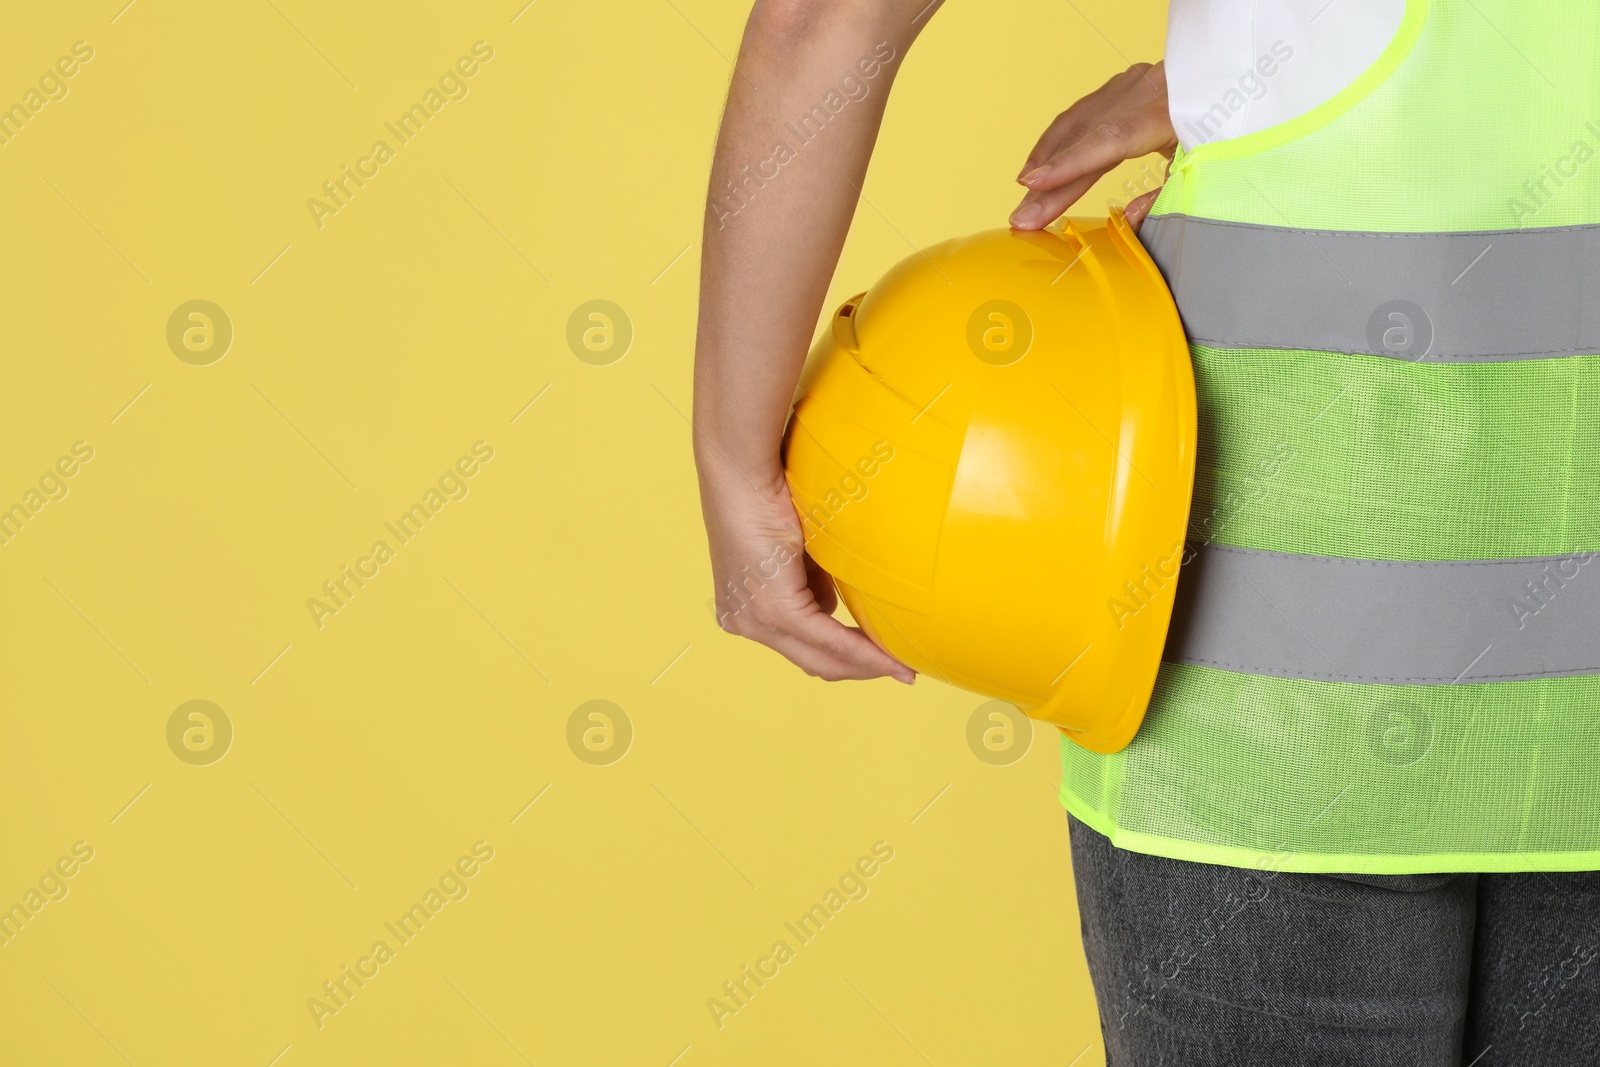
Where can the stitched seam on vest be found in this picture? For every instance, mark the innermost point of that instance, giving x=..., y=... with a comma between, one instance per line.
x=1419, y=564
x=1431, y=357
x=1387, y=679
x=1360, y=234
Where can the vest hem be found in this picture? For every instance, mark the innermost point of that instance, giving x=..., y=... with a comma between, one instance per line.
x=1324, y=863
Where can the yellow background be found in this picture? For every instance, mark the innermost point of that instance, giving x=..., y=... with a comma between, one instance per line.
x=369, y=754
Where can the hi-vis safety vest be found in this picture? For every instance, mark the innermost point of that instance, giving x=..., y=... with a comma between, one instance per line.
x=1385, y=656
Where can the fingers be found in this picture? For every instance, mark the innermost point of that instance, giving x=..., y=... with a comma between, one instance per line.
x=1126, y=135
x=1074, y=122
x=1059, y=183
x=1069, y=125
x=825, y=647
x=1124, y=119
x=772, y=592
x=1039, y=209
x=818, y=643
x=798, y=627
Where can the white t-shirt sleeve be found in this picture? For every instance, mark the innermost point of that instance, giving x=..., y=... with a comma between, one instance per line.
x=1238, y=66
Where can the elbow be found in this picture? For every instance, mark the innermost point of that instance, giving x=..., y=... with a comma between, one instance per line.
x=800, y=20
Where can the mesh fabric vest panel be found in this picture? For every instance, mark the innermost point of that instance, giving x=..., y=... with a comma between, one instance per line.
x=1481, y=119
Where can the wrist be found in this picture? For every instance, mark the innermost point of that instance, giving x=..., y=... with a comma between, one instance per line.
x=723, y=469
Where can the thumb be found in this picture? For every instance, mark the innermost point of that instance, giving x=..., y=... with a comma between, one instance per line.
x=1139, y=207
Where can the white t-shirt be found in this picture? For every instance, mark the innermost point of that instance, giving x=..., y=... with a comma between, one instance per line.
x=1238, y=66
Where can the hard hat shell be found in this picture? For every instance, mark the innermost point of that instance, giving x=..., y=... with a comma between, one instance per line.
x=993, y=455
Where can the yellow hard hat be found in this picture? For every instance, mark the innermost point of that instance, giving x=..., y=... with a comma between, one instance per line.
x=993, y=455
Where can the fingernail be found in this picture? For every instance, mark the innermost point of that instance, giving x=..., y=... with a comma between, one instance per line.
x=1033, y=175
x=1026, y=213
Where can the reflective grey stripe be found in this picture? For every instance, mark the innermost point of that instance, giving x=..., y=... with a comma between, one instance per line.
x=1449, y=297
x=1378, y=621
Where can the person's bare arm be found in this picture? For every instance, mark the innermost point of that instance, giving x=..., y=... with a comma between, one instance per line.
x=784, y=185
x=782, y=195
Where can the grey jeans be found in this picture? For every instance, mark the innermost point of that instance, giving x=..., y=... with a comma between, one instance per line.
x=1197, y=965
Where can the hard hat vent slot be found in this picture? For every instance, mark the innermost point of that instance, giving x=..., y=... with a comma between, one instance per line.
x=844, y=324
